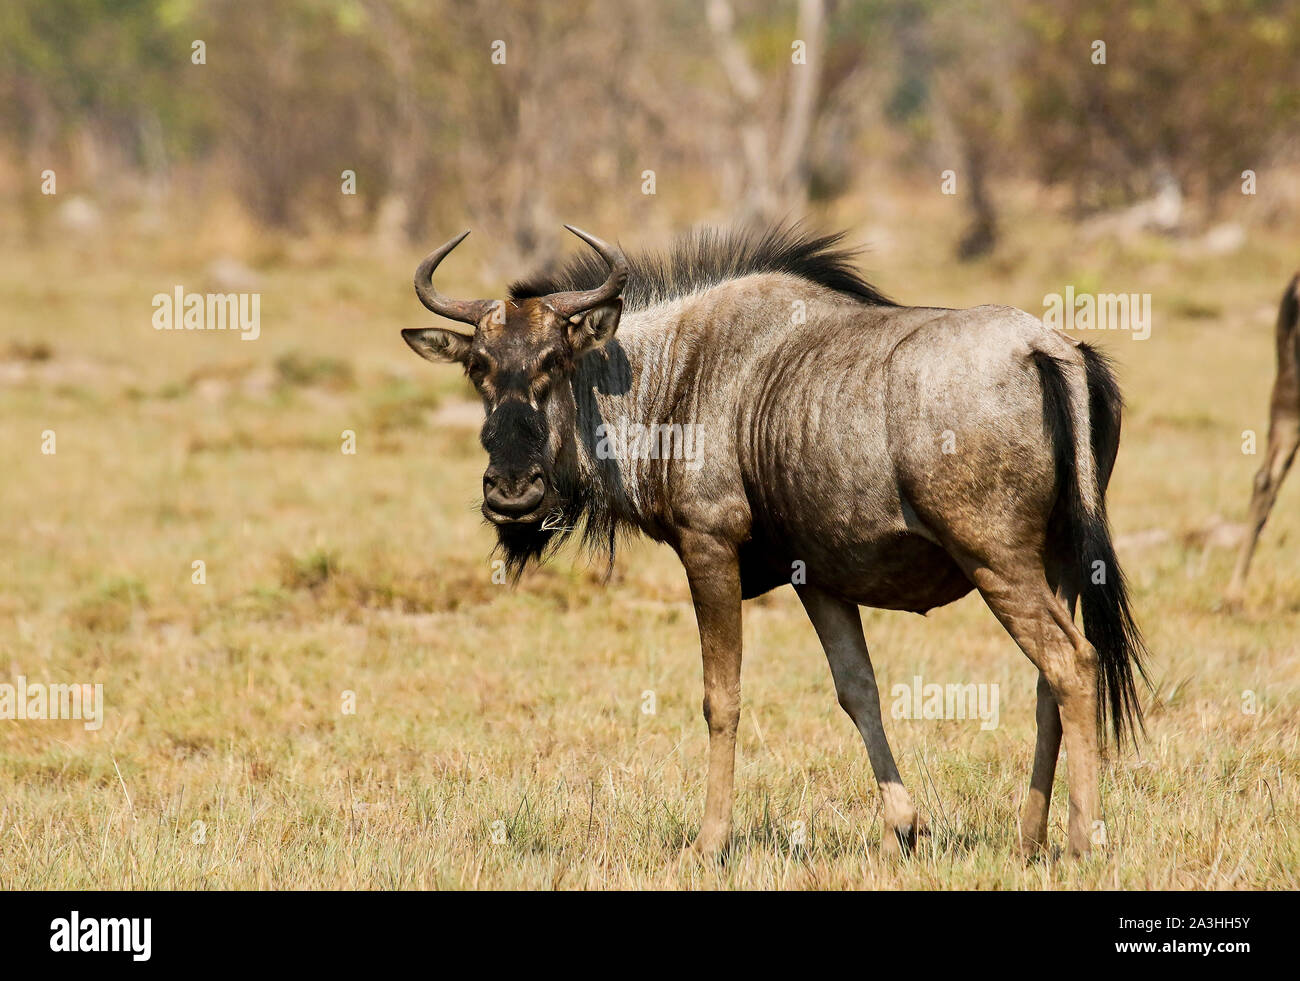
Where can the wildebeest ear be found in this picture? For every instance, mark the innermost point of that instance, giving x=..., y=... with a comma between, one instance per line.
x=593, y=328
x=438, y=344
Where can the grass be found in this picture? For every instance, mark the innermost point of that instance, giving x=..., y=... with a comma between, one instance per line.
x=351, y=701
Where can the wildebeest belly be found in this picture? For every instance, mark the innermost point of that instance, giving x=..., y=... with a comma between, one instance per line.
x=898, y=572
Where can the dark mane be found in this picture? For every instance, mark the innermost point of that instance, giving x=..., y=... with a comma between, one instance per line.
x=704, y=257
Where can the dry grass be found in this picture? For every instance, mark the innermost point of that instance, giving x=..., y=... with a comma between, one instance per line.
x=478, y=703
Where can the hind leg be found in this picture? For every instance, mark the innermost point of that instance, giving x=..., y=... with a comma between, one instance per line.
x=1039, y=621
x=839, y=627
x=1283, y=438
x=1033, y=820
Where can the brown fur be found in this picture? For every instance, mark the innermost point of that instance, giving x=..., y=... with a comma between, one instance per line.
x=824, y=411
x=1283, y=432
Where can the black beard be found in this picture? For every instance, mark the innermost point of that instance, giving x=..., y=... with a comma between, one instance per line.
x=574, y=505
x=521, y=544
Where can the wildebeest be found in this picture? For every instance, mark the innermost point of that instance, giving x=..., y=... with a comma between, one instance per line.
x=1283, y=431
x=871, y=454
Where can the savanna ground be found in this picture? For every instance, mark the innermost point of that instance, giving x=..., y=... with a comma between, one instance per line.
x=479, y=703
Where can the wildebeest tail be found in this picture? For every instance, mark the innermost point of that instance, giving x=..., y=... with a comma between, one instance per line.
x=1082, y=414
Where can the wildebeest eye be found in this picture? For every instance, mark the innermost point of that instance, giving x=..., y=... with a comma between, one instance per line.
x=477, y=370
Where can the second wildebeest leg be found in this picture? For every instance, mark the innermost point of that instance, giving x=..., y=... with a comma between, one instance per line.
x=1283, y=438
x=713, y=570
x=839, y=627
x=1283, y=432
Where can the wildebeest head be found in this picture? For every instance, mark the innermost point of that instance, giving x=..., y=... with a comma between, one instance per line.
x=521, y=358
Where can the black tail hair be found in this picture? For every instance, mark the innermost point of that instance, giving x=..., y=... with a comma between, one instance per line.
x=1108, y=620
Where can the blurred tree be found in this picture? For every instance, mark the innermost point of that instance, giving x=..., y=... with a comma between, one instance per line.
x=1193, y=90
x=107, y=76
x=954, y=95
x=777, y=170
x=650, y=112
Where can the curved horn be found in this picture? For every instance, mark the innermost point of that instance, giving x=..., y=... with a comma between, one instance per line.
x=568, y=304
x=466, y=311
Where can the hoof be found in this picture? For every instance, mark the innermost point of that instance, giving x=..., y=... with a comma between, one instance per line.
x=1033, y=839
x=708, y=847
x=1033, y=849
x=901, y=839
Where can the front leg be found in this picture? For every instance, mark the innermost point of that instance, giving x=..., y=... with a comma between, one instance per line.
x=714, y=574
